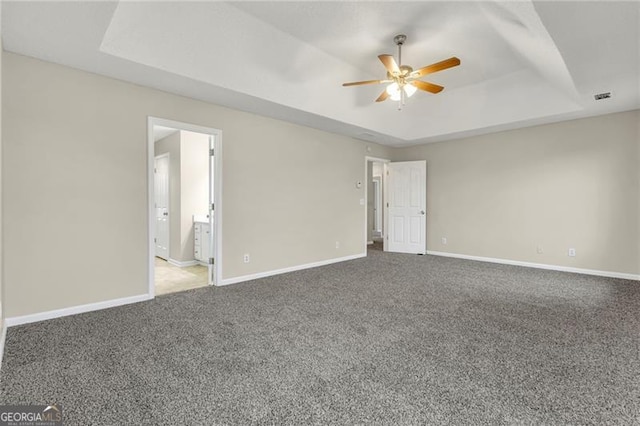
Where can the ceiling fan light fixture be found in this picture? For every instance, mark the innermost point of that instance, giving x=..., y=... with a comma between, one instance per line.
x=410, y=89
x=394, y=91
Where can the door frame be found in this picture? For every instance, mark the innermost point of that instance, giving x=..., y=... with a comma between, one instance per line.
x=168, y=155
x=368, y=159
x=216, y=215
x=377, y=216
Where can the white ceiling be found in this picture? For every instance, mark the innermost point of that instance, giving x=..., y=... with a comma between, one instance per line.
x=161, y=132
x=523, y=63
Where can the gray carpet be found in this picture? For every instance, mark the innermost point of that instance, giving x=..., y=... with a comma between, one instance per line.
x=390, y=339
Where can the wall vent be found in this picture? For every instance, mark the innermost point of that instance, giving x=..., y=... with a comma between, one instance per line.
x=599, y=96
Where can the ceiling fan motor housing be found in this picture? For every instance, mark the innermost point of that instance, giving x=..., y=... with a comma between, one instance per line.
x=400, y=39
x=405, y=70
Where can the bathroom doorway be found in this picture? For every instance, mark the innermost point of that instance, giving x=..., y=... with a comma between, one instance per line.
x=184, y=195
x=375, y=184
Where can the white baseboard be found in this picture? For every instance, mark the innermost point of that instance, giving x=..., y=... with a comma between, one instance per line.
x=3, y=338
x=183, y=264
x=41, y=316
x=240, y=279
x=610, y=274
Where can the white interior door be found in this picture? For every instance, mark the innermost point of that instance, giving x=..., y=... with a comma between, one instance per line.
x=407, y=186
x=210, y=240
x=161, y=186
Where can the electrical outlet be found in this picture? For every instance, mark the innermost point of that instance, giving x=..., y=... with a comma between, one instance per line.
x=246, y=258
x=540, y=249
x=572, y=252
x=337, y=244
x=444, y=240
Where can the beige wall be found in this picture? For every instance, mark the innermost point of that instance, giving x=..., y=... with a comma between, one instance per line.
x=75, y=187
x=570, y=184
x=171, y=145
x=194, y=187
x=377, y=169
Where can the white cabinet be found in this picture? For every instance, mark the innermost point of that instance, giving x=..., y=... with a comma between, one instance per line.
x=201, y=241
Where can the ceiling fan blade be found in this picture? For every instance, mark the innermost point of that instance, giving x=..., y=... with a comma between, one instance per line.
x=383, y=96
x=427, y=87
x=359, y=83
x=438, y=66
x=390, y=63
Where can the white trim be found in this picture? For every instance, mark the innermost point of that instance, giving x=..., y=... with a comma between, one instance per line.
x=376, y=159
x=73, y=310
x=217, y=179
x=184, y=264
x=378, y=209
x=3, y=338
x=367, y=159
x=385, y=207
x=215, y=217
x=369, y=242
x=610, y=274
x=243, y=278
x=151, y=229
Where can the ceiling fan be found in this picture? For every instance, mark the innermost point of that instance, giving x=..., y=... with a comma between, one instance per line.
x=403, y=79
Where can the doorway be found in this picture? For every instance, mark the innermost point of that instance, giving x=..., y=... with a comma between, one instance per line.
x=377, y=207
x=375, y=196
x=395, y=205
x=184, y=206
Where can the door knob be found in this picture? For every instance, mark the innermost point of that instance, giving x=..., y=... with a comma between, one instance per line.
x=422, y=212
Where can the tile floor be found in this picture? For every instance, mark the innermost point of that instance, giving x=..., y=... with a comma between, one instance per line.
x=170, y=278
